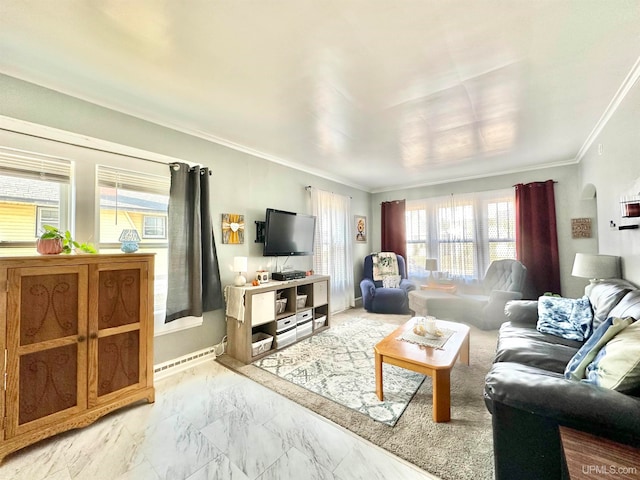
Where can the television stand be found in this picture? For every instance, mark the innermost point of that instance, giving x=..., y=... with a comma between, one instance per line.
x=288, y=275
x=278, y=314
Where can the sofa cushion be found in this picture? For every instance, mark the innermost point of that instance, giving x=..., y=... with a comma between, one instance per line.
x=565, y=317
x=629, y=306
x=617, y=365
x=606, y=331
x=604, y=296
x=529, y=347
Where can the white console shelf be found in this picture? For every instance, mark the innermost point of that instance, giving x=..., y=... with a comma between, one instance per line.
x=262, y=318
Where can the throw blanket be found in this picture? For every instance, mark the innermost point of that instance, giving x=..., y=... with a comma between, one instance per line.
x=235, y=302
x=385, y=264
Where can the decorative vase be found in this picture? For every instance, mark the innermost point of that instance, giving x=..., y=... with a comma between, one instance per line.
x=49, y=246
x=129, y=247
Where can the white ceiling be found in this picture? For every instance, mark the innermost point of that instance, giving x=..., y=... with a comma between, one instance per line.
x=375, y=94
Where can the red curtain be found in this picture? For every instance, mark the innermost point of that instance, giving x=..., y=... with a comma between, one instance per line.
x=394, y=230
x=537, y=238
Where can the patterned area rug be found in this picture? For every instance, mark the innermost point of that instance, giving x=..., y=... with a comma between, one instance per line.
x=339, y=364
x=461, y=449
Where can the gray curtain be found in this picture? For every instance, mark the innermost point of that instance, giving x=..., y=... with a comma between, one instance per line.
x=194, y=275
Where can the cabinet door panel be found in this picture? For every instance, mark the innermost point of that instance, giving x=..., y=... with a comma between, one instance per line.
x=48, y=306
x=46, y=346
x=118, y=298
x=48, y=382
x=118, y=362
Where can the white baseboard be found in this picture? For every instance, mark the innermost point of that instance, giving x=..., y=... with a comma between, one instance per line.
x=171, y=367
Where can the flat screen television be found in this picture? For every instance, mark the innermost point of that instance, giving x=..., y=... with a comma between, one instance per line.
x=288, y=233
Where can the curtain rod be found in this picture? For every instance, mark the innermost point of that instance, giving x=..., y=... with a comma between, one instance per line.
x=309, y=187
x=176, y=166
x=531, y=183
x=169, y=164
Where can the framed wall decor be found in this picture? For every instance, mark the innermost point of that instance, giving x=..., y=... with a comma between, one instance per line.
x=580, y=228
x=232, y=228
x=361, y=228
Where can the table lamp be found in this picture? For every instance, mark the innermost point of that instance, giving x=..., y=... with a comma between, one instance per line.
x=129, y=239
x=431, y=264
x=240, y=265
x=595, y=267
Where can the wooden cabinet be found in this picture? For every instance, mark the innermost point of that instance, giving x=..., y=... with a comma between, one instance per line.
x=286, y=311
x=77, y=335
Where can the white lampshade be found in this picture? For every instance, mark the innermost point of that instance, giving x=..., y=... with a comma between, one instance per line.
x=596, y=267
x=431, y=264
x=240, y=265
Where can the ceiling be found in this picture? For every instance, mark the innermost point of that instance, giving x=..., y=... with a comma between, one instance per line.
x=374, y=94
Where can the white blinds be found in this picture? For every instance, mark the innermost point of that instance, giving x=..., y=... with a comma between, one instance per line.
x=20, y=163
x=465, y=232
x=130, y=180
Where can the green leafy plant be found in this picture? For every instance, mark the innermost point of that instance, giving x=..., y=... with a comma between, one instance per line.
x=68, y=243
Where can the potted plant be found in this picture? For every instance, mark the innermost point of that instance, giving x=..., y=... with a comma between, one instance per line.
x=53, y=241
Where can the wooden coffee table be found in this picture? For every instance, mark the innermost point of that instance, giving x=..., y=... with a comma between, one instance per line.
x=426, y=360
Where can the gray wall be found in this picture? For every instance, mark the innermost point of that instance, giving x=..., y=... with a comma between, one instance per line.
x=246, y=184
x=616, y=172
x=241, y=183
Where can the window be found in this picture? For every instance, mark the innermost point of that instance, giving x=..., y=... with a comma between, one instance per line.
x=34, y=190
x=334, y=244
x=154, y=227
x=501, y=229
x=465, y=233
x=46, y=216
x=140, y=201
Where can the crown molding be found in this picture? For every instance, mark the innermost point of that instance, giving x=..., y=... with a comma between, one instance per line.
x=562, y=163
x=628, y=83
x=194, y=133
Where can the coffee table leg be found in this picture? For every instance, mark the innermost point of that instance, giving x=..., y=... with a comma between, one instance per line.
x=464, y=351
x=379, y=376
x=441, y=396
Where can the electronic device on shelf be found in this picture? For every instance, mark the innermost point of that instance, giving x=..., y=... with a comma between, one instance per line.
x=288, y=233
x=288, y=275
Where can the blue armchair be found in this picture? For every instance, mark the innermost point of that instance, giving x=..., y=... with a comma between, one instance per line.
x=378, y=299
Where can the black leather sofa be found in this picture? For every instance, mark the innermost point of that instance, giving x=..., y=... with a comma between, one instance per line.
x=529, y=398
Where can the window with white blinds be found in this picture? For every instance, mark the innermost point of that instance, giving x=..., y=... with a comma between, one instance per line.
x=465, y=232
x=333, y=245
x=128, y=199
x=35, y=190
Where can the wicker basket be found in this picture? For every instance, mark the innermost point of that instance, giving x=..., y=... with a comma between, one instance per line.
x=301, y=301
x=281, y=305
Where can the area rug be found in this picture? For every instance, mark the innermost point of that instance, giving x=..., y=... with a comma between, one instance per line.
x=461, y=449
x=339, y=364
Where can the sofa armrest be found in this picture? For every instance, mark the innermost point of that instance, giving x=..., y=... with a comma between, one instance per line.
x=522, y=312
x=578, y=405
x=368, y=287
x=504, y=296
x=407, y=285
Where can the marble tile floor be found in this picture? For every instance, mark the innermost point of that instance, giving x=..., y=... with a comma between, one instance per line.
x=209, y=423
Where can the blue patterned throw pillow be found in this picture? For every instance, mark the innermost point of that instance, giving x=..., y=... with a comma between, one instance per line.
x=608, y=329
x=617, y=364
x=568, y=318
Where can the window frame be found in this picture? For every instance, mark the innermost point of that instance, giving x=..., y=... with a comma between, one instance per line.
x=164, y=220
x=424, y=215
x=29, y=165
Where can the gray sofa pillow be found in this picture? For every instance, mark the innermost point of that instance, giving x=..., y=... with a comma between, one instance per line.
x=604, y=296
